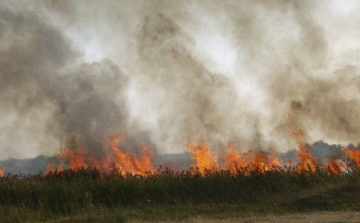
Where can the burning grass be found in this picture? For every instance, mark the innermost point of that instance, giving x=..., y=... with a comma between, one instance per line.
x=253, y=181
x=115, y=159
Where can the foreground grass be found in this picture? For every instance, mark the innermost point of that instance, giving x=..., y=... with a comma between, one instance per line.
x=314, y=217
x=76, y=196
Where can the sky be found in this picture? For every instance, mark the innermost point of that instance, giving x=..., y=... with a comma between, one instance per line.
x=164, y=72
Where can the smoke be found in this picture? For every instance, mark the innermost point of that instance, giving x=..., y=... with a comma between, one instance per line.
x=162, y=72
x=83, y=102
x=192, y=101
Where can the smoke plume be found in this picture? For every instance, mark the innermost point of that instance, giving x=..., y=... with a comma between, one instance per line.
x=163, y=72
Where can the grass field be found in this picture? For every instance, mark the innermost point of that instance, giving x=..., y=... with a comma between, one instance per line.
x=86, y=195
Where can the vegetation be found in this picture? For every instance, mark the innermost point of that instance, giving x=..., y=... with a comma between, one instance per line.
x=87, y=194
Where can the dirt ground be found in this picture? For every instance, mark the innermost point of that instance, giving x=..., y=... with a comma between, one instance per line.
x=315, y=217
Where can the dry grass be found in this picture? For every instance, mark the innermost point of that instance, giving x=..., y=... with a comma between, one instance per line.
x=273, y=196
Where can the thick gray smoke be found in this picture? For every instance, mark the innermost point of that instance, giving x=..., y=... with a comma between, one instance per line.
x=163, y=72
x=83, y=102
x=194, y=102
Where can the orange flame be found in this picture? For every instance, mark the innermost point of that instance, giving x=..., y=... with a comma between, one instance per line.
x=306, y=161
x=335, y=167
x=116, y=159
x=201, y=154
x=49, y=168
x=234, y=161
x=2, y=172
x=274, y=161
x=259, y=162
x=129, y=163
x=75, y=157
x=354, y=154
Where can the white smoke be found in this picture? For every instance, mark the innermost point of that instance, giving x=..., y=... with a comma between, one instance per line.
x=165, y=71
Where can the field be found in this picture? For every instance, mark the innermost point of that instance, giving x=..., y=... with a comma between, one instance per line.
x=88, y=195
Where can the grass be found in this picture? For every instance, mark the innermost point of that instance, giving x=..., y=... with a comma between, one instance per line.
x=88, y=196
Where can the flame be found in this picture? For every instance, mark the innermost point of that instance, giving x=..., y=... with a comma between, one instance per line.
x=2, y=172
x=306, y=161
x=115, y=160
x=335, y=166
x=75, y=157
x=201, y=154
x=234, y=161
x=259, y=162
x=129, y=163
x=49, y=168
x=274, y=161
x=246, y=162
x=354, y=154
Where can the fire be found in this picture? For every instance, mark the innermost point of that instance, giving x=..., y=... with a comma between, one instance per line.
x=49, y=168
x=306, y=161
x=234, y=161
x=129, y=163
x=335, y=166
x=2, y=172
x=201, y=154
x=274, y=160
x=116, y=159
x=354, y=154
x=249, y=161
x=260, y=162
x=75, y=157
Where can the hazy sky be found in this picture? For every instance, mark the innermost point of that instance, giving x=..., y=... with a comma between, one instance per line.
x=162, y=72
